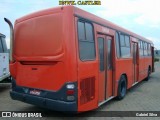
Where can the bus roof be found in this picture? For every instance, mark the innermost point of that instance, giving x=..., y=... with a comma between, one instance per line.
x=86, y=15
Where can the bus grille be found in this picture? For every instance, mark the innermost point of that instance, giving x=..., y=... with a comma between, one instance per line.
x=87, y=87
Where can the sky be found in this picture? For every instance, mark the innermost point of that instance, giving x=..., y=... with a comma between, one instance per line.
x=139, y=16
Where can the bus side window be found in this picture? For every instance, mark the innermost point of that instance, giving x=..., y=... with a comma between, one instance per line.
x=117, y=45
x=145, y=49
x=141, y=52
x=149, y=49
x=101, y=53
x=109, y=57
x=4, y=45
x=86, y=41
x=125, y=46
x=1, y=48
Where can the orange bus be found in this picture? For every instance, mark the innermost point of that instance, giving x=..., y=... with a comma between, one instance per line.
x=67, y=59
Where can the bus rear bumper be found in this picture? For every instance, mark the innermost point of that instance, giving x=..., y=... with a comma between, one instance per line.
x=56, y=105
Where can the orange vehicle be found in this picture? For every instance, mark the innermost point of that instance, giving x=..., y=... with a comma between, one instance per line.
x=67, y=59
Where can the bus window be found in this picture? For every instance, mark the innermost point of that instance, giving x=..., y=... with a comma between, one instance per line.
x=109, y=46
x=4, y=45
x=86, y=41
x=139, y=44
x=127, y=41
x=101, y=53
x=117, y=44
x=141, y=48
x=122, y=41
x=125, y=46
x=89, y=32
x=145, y=51
x=81, y=31
x=149, y=49
x=1, y=47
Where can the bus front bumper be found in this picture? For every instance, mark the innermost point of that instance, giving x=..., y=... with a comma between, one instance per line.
x=56, y=105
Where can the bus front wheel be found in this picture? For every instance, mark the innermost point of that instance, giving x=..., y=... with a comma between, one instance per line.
x=122, y=88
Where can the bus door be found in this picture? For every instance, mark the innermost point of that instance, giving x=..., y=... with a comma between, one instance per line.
x=105, y=67
x=135, y=62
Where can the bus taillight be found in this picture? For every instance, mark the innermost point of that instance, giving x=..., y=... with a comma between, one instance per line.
x=70, y=92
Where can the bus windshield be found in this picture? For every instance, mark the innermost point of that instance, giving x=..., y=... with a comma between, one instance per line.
x=3, y=46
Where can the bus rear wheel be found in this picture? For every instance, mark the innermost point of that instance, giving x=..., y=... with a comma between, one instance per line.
x=148, y=75
x=122, y=88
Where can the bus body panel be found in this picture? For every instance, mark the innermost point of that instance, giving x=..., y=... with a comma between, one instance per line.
x=87, y=71
x=41, y=53
x=49, y=76
x=122, y=66
x=44, y=66
x=45, y=52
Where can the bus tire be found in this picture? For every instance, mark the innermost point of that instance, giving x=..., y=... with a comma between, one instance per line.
x=122, y=88
x=148, y=74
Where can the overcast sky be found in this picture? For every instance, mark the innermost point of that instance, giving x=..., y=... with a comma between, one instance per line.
x=139, y=16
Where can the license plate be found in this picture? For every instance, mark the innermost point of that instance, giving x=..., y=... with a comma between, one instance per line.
x=35, y=92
